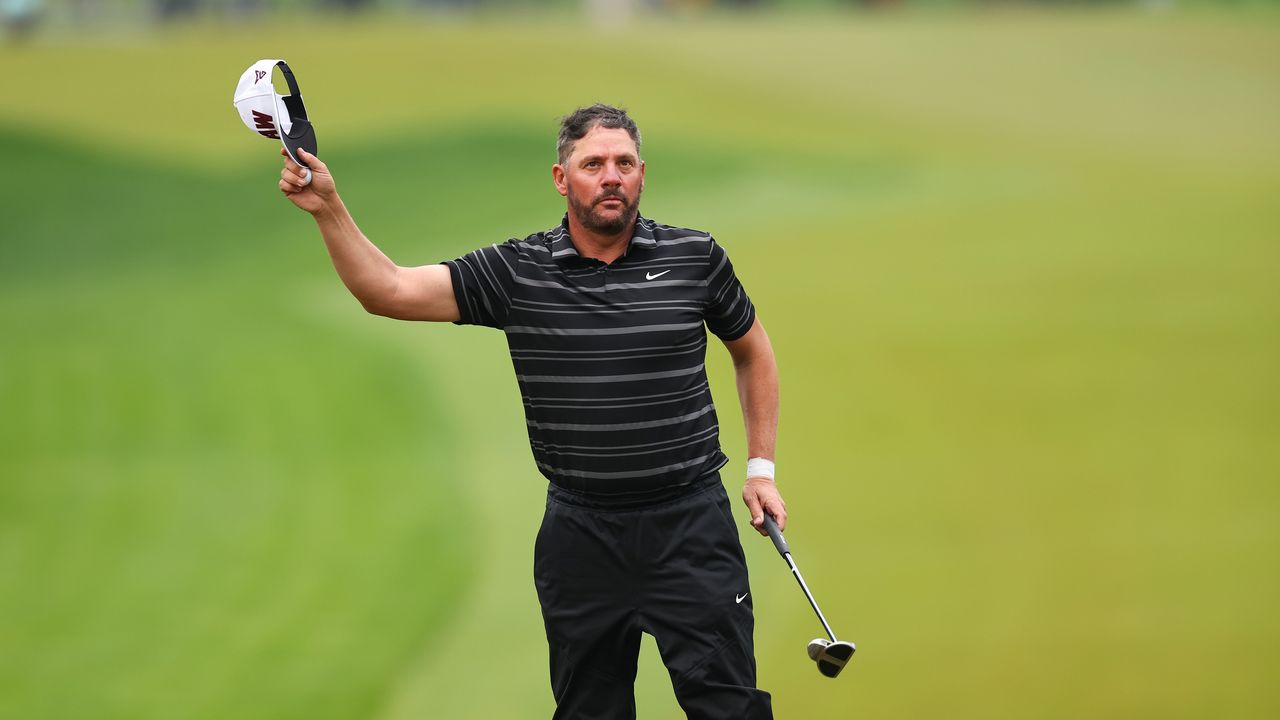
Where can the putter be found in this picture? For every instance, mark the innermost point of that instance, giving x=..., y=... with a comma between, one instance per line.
x=830, y=655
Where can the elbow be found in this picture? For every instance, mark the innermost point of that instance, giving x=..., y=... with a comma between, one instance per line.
x=756, y=367
x=377, y=306
x=762, y=360
x=379, y=298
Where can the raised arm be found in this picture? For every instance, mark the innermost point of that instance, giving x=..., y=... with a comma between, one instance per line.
x=756, y=372
x=381, y=286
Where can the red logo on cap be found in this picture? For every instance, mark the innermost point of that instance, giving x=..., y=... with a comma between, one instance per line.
x=259, y=75
x=266, y=125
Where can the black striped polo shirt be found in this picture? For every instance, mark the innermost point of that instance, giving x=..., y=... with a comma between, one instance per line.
x=610, y=358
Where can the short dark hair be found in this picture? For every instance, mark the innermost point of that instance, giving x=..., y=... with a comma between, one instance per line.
x=575, y=126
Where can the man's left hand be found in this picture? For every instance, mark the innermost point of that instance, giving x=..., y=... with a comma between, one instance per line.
x=761, y=494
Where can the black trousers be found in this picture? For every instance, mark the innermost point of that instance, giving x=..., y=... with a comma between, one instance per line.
x=675, y=570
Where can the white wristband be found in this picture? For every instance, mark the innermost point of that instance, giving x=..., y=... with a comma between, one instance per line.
x=760, y=467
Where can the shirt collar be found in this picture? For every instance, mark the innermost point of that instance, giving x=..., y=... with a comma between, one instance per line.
x=563, y=251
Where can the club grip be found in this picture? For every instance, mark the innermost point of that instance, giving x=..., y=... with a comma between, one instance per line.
x=776, y=535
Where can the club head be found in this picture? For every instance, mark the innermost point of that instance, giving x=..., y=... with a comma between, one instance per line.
x=816, y=646
x=830, y=656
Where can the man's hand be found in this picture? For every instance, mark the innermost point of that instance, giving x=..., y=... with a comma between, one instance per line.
x=760, y=494
x=314, y=197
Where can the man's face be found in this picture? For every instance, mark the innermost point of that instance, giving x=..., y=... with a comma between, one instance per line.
x=602, y=179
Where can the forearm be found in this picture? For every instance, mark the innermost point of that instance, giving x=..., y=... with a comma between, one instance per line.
x=757, y=381
x=369, y=274
x=756, y=373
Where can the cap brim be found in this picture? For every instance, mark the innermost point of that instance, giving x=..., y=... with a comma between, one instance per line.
x=303, y=137
x=299, y=134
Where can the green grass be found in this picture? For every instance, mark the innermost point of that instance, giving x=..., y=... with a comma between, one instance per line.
x=204, y=514
x=1020, y=271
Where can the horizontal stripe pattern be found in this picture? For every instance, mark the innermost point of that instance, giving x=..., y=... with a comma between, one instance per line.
x=610, y=358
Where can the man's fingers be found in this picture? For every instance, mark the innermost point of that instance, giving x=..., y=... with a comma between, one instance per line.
x=289, y=163
x=761, y=496
x=298, y=176
x=311, y=160
x=753, y=506
x=778, y=512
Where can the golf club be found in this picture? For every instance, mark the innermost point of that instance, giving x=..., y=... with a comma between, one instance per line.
x=831, y=655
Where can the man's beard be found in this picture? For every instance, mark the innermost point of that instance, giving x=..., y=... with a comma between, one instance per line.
x=591, y=218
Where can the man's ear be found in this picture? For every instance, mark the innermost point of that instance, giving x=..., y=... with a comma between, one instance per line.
x=560, y=179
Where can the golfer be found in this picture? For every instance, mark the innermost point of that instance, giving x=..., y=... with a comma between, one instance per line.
x=606, y=317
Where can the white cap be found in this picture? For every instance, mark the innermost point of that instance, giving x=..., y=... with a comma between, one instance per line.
x=261, y=108
x=271, y=115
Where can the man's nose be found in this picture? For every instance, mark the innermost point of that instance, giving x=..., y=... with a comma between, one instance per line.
x=611, y=175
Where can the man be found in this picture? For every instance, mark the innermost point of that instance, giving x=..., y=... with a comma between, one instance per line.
x=604, y=316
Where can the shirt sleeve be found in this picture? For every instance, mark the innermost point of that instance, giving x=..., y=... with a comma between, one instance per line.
x=729, y=313
x=482, y=283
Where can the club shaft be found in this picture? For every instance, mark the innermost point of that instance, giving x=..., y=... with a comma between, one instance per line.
x=796, y=571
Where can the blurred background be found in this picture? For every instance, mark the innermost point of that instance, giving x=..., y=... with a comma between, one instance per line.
x=1020, y=263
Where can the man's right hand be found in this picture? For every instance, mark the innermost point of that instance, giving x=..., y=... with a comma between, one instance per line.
x=314, y=197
